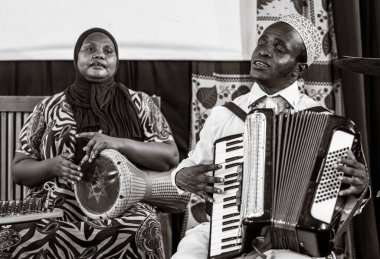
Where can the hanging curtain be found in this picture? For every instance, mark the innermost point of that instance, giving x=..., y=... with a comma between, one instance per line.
x=362, y=106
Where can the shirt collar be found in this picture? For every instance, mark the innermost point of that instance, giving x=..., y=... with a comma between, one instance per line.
x=290, y=94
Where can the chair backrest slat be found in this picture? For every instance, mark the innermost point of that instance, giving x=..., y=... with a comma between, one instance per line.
x=14, y=112
x=3, y=156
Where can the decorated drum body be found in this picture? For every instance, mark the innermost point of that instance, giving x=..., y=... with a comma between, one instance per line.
x=109, y=186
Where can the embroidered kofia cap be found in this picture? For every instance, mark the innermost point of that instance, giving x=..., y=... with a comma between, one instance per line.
x=309, y=35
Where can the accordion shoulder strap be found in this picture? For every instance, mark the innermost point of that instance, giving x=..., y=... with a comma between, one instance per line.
x=233, y=107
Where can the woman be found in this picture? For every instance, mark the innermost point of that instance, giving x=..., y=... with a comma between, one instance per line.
x=92, y=114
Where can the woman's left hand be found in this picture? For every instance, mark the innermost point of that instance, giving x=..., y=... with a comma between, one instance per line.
x=97, y=143
x=355, y=175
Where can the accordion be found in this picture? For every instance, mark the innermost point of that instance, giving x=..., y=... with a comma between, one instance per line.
x=282, y=166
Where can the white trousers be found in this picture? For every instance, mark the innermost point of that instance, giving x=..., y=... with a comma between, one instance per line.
x=194, y=245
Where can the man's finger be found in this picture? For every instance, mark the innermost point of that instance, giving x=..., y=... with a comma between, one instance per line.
x=350, y=155
x=212, y=179
x=211, y=189
x=348, y=170
x=206, y=197
x=354, y=181
x=351, y=162
x=207, y=168
x=349, y=191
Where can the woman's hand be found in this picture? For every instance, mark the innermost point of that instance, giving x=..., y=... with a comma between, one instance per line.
x=97, y=143
x=355, y=175
x=62, y=166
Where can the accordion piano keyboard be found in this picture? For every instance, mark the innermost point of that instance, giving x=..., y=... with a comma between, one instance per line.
x=225, y=233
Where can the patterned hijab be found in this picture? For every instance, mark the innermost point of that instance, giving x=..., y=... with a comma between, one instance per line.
x=106, y=105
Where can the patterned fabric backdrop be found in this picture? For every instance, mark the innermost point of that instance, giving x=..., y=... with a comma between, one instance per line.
x=321, y=82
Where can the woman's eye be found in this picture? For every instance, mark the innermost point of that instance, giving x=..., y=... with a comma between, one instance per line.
x=90, y=49
x=280, y=50
x=108, y=51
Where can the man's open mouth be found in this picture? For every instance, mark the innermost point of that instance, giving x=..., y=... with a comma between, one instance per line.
x=260, y=64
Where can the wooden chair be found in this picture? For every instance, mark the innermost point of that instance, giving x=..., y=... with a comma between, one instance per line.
x=14, y=110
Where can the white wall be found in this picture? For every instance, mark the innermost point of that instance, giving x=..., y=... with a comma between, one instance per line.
x=144, y=29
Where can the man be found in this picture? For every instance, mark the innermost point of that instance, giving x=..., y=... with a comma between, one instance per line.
x=284, y=52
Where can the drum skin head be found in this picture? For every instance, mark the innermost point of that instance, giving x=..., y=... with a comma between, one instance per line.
x=110, y=185
x=99, y=187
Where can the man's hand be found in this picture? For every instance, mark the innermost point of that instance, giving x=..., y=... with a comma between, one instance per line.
x=359, y=178
x=194, y=179
x=98, y=142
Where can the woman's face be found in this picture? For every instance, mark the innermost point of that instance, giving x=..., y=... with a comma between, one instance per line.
x=97, y=60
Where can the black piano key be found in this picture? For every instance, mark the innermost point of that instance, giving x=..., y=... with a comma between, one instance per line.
x=233, y=148
x=229, y=205
x=229, y=198
x=230, y=159
x=232, y=165
x=230, y=221
x=230, y=238
x=232, y=245
x=231, y=187
x=230, y=215
x=230, y=182
x=234, y=142
x=230, y=175
x=229, y=228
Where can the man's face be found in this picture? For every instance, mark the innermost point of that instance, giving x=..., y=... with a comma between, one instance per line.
x=274, y=59
x=97, y=60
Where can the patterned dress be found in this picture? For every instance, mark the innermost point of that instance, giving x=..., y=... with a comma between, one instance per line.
x=49, y=131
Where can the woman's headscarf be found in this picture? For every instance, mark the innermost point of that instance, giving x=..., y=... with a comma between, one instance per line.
x=115, y=114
